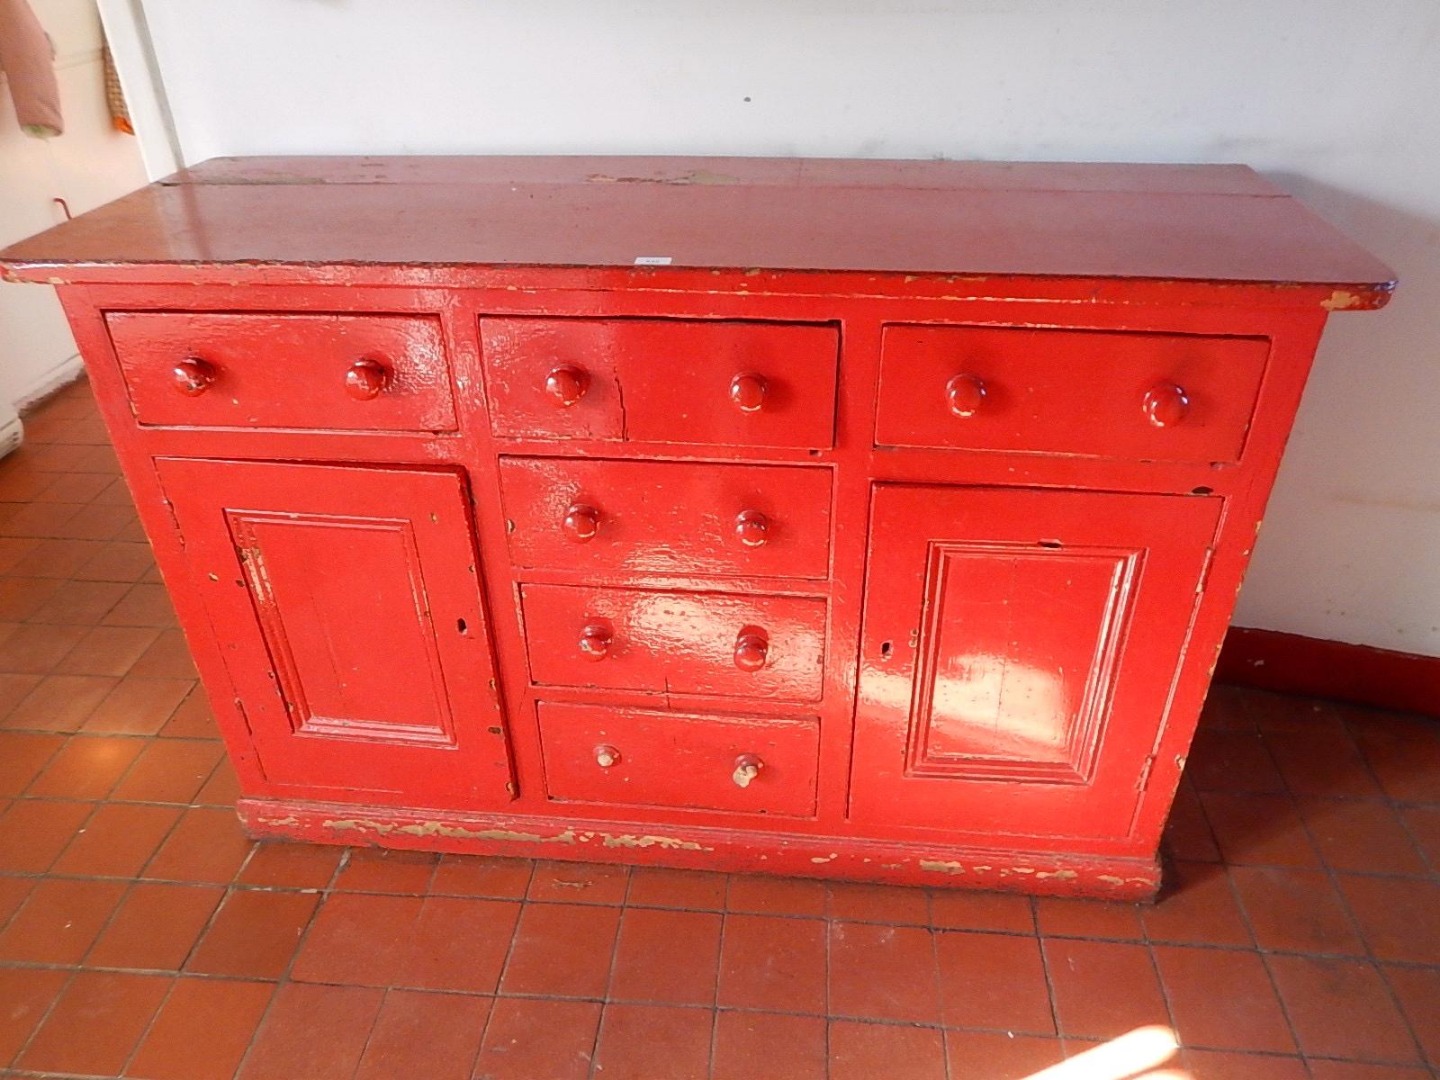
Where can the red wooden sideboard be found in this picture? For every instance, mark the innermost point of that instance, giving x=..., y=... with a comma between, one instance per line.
x=873, y=520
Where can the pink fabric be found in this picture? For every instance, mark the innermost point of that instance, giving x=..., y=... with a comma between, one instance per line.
x=28, y=61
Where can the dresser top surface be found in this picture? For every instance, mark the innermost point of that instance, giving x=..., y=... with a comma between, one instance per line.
x=1221, y=223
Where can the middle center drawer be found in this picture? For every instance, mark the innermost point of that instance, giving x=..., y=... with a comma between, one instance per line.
x=652, y=517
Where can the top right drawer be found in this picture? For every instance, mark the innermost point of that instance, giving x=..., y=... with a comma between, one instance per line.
x=1082, y=393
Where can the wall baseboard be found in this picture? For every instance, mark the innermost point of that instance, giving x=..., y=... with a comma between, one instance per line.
x=49, y=382
x=1292, y=664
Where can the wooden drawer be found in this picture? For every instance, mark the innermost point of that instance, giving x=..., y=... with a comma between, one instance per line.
x=1146, y=397
x=662, y=380
x=643, y=758
x=667, y=518
x=675, y=642
x=331, y=372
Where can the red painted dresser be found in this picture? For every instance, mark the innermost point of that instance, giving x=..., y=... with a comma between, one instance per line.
x=874, y=520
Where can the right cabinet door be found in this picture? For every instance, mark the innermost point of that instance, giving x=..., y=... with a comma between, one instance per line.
x=1018, y=653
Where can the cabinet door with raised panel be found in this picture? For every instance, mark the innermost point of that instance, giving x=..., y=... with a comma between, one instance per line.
x=1019, y=648
x=347, y=607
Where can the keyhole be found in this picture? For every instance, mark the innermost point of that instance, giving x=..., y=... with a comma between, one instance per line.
x=460, y=625
x=886, y=648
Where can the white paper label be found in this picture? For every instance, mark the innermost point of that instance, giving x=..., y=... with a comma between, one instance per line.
x=652, y=260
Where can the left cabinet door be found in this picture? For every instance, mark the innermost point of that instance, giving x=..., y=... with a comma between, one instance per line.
x=346, y=603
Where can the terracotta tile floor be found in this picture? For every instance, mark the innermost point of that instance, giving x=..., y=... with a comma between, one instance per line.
x=142, y=935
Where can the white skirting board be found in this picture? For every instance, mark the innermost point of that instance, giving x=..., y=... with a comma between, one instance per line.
x=12, y=430
x=41, y=387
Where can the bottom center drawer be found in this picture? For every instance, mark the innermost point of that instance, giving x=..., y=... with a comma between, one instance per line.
x=596, y=753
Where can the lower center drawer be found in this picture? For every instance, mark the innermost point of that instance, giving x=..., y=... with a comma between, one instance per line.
x=675, y=642
x=639, y=757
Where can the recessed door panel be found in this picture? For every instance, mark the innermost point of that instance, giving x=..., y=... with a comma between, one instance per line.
x=347, y=604
x=1005, y=688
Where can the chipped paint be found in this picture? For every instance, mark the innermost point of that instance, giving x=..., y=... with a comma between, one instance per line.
x=437, y=828
x=702, y=177
x=669, y=843
x=940, y=866
x=1056, y=875
x=1341, y=299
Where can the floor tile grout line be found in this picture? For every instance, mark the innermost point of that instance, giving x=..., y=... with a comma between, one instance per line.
x=1358, y=927
x=1333, y=878
x=370, y=1034
x=515, y=933
x=44, y=1019
x=52, y=965
x=150, y=1024
x=1160, y=982
x=1285, y=1009
x=609, y=977
x=719, y=972
x=698, y=1007
x=284, y=979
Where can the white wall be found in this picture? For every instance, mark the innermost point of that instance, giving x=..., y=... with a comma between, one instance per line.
x=1340, y=103
x=88, y=165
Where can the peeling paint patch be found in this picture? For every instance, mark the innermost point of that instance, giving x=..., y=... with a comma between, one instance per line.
x=1341, y=299
x=454, y=832
x=669, y=843
x=1111, y=879
x=701, y=177
x=940, y=866
x=1058, y=875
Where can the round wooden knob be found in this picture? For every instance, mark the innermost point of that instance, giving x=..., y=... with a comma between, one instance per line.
x=751, y=650
x=595, y=642
x=365, y=379
x=965, y=394
x=606, y=756
x=748, y=392
x=567, y=385
x=194, y=376
x=747, y=768
x=581, y=522
x=1166, y=404
x=751, y=528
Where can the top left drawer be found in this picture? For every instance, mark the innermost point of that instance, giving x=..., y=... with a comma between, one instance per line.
x=290, y=371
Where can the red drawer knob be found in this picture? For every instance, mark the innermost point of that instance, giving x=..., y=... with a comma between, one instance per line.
x=751, y=528
x=748, y=392
x=366, y=379
x=751, y=649
x=595, y=642
x=194, y=376
x=747, y=768
x=567, y=385
x=1166, y=404
x=606, y=756
x=965, y=394
x=581, y=522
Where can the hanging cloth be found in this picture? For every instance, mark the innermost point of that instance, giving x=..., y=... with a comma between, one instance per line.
x=28, y=60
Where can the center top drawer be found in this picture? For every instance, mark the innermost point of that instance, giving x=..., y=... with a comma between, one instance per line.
x=726, y=383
